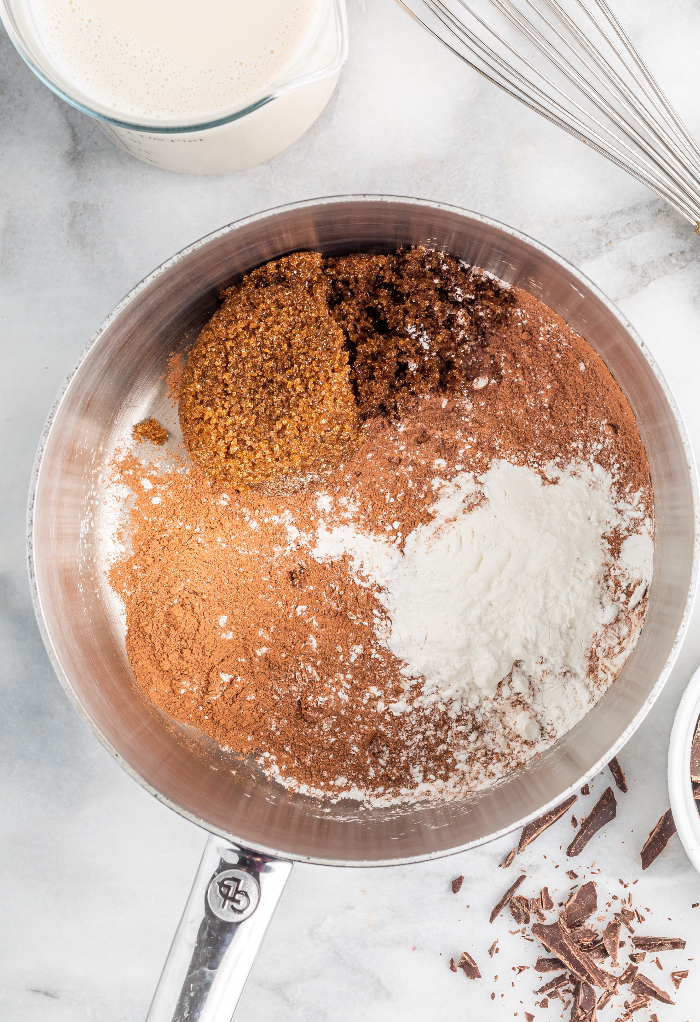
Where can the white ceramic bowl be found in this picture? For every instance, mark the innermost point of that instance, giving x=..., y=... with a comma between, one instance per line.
x=684, y=806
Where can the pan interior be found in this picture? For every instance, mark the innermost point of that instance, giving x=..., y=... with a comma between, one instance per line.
x=120, y=381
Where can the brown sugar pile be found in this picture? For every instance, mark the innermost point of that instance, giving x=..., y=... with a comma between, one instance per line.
x=266, y=389
x=235, y=627
x=150, y=429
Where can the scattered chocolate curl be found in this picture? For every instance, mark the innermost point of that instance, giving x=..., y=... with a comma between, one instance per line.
x=580, y=905
x=453, y=967
x=548, y=965
x=506, y=898
x=457, y=884
x=546, y=900
x=678, y=977
x=611, y=940
x=658, y=839
x=659, y=943
x=584, y=1006
x=468, y=966
x=553, y=984
x=558, y=941
x=520, y=909
x=537, y=827
x=603, y=812
x=643, y=986
x=618, y=774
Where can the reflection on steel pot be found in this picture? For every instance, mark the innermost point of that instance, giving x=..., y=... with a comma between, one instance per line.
x=257, y=827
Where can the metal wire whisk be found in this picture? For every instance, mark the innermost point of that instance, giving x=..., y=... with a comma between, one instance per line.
x=573, y=63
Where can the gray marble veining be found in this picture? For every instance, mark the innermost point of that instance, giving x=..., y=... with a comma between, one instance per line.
x=94, y=872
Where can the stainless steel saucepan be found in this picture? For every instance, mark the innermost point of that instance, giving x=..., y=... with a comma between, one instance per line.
x=256, y=828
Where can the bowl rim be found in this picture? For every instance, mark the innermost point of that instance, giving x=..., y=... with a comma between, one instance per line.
x=609, y=305
x=686, y=815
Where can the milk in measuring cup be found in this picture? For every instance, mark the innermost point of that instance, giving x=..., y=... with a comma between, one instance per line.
x=176, y=66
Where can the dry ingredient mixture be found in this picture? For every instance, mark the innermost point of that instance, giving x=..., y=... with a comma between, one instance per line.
x=460, y=567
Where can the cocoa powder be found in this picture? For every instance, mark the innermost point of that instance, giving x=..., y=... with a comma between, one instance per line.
x=234, y=628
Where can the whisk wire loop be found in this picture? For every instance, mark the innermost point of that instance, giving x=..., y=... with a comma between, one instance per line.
x=575, y=66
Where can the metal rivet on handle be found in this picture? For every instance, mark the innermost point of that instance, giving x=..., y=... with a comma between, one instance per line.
x=233, y=895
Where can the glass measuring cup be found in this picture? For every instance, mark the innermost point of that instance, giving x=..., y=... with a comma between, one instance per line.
x=238, y=136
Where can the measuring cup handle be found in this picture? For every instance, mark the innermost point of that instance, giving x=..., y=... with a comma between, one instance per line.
x=231, y=903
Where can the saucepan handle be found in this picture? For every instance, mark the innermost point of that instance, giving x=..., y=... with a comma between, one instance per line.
x=228, y=911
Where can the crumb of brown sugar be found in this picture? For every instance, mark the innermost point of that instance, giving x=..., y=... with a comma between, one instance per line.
x=151, y=430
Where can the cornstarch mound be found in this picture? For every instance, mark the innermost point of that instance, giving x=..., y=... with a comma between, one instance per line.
x=437, y=568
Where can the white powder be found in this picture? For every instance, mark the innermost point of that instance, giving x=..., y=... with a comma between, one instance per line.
x=511, y=578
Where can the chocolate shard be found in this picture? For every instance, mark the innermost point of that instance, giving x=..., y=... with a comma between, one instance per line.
x=468, y=966
x=537, y=827
x=580, y=905
x=628, y=975
x=695, y=755
x=494, y=948
x=506, y=898
x=659, y=943
x=643, y=986
x=529, y=1017
x=586, y=790
x=553, y=984
x=548, y=965
x=625, y=917
x=453, y=967
x=606, y=996
x=618, y=775
x=611, y=940
x=638, y=957
x=509, y=858
x=678, y=977
x=546, y=900
x=603, y=812
x=536, y=909
x=584, y=1006
x=457, y=884
x=658, y=839
x=557, y=940
x=520, y=909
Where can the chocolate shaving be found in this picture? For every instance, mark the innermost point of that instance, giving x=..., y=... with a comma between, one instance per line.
x=536, y=909
x=570, y=873
x=453, y=967
x=493, y=949
x=468, y=966
x=520, y=909
x=603, y=812
x=457, y=884
x=639, y=957
x=606, y=996
x=611, y=940
x=580, y=905
x=628, y=975
x=537, y=827
x=546, y=900
x=557, y=940
x=658, y=839
x=506, y=898
x=625, y=917
x=548, y=965
x=617, y=772
x=678, y=977
x=643, y=985
x=509, y=858
x=659, y=943
x=553, y=984
x=586, y=789
x=529, y=1017
x=584, y=1006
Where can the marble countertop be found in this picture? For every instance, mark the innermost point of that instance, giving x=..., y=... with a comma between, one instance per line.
x=93, y=871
